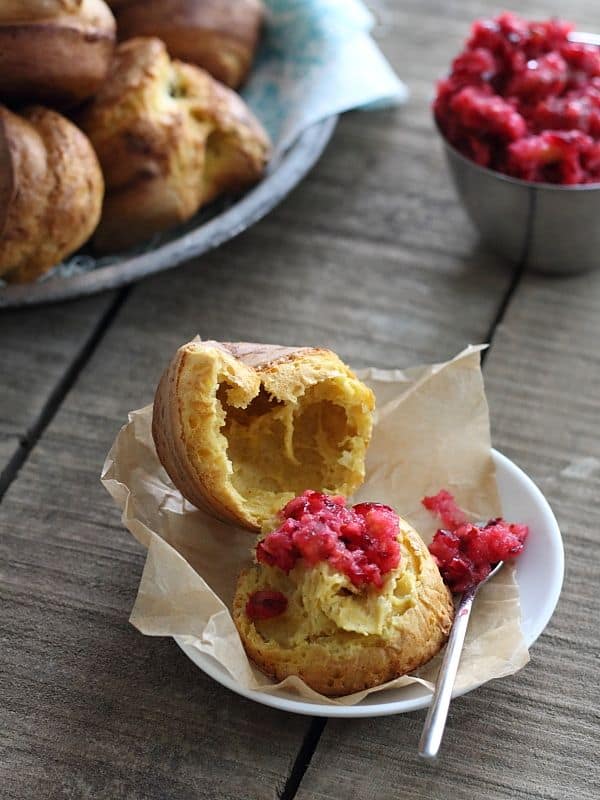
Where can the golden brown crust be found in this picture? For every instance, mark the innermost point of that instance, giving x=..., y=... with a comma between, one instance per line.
x=220, y=36
x=54, y=51
x=7, y=172
x=340, y=663
x=170, y=139
x=168, y=431
x=52, y=201
x=201, y=455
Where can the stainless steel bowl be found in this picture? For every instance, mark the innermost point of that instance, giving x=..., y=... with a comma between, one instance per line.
x=549, y=228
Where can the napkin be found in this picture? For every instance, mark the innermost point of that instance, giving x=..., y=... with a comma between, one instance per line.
x=317, y=59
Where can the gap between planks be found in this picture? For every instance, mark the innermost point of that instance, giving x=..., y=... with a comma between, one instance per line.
x=519, y=270
x=52, y=405
x=32, y=435
x=318, y=724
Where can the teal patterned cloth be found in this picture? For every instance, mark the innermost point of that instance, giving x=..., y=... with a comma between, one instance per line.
x=317, y=59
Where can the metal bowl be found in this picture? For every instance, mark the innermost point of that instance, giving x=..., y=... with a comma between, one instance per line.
x=546, y=227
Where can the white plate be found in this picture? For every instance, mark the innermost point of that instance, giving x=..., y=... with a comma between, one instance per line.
x=539, y=575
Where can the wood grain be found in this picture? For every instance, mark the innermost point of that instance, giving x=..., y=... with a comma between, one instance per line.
x=37, y=349
x=373, y=257
x=532, y=735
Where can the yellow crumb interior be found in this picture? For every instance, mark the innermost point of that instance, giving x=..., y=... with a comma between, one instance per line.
x=278, y=450
x=324, y=602
x=257, y=451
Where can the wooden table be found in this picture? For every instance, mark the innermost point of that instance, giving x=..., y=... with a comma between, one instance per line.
x=373, y=257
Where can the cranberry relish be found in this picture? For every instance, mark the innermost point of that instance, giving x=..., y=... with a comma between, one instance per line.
x=465, y=553
x=524, y=100
x=361, y=542
x=266, y=604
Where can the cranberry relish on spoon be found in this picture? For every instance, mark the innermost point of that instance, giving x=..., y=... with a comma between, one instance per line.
x=466, y=553
x=523, y=99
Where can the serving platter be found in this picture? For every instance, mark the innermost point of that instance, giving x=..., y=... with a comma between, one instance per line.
x=539, y=572
x=210, y=228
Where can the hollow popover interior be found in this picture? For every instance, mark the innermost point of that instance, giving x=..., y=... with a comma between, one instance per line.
x=243, y=431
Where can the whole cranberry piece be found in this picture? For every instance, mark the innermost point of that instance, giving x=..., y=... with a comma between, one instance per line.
x=266, y=604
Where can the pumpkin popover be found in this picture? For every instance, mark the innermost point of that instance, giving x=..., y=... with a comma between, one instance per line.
x=272, y=439
x=170, y=139
x=344, y=598
x=243, y=428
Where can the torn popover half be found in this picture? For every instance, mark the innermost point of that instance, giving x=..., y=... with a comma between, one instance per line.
x=243, y=428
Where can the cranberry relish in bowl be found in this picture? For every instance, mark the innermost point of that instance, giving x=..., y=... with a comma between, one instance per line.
x=519, y=118
x=524, y=100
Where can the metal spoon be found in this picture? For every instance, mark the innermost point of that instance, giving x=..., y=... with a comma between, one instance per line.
x=435, y=722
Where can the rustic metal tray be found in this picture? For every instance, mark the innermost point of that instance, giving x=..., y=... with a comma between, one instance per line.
x=210, y=228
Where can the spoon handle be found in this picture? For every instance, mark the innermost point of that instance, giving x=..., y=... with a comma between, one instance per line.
x=435, y=722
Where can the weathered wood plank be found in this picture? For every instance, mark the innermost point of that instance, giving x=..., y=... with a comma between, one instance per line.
x=120, y=713
x=91, y=708
x=38, y=347
x=533, y=735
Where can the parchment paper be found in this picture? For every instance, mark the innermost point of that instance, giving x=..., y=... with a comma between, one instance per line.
x=431, y=431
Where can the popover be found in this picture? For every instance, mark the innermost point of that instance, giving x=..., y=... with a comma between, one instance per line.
x=55, y=52
x=51, y=190
x=219, y=35
x=345, y=599
x=242, y=428
x=169, y=139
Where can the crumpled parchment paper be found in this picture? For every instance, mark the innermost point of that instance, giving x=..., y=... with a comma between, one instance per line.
x=431, y=431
